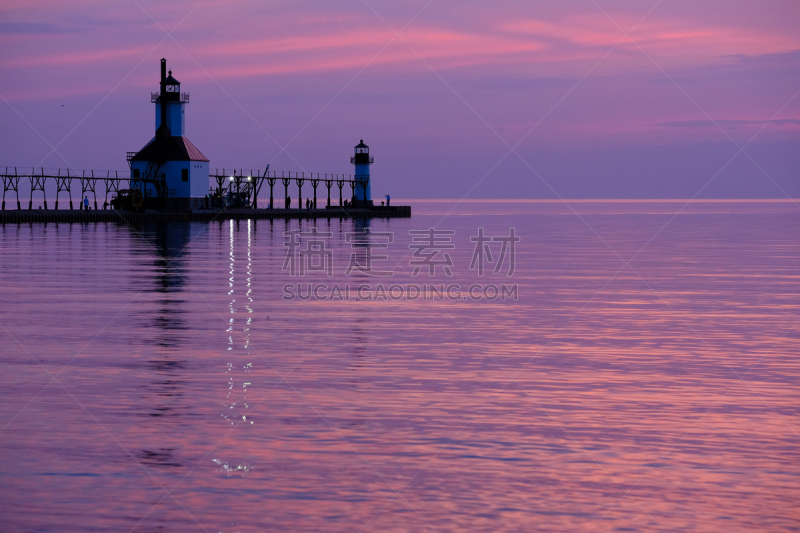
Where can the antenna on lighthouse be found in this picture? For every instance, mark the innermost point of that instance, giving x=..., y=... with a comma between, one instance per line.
x=163, y=97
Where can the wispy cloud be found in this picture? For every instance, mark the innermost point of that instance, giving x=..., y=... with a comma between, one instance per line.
x=348, y=49
x=668, y=37
x=76, y=58
x=36, y=28
x=728, y=122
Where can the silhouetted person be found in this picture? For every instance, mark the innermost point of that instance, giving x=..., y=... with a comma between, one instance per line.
x=86, y=203
x=388, y=200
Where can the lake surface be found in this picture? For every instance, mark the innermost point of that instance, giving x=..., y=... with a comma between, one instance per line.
x=639, y=371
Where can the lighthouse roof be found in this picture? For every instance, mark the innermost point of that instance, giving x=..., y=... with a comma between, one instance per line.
x=361, y=144
x=171, y=81
x=178, y=148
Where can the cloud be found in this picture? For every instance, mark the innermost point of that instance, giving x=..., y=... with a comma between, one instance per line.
x=342, y=49
x=665, y=37
x=35, y=28
x=353, y=49
x=76, y=58
x=728, y=122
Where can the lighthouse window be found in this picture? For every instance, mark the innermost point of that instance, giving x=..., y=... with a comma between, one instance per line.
x=184, y=174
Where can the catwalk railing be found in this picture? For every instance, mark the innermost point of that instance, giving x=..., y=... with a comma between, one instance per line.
x=234, y=187
x=250, y=184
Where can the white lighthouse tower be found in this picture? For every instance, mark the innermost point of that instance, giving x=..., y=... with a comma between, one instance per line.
x=362, y=194
x=170, y=167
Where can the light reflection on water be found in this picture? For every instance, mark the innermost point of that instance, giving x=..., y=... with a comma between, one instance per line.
x=665, y=396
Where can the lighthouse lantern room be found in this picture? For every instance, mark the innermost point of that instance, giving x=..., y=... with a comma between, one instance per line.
x=170, y=167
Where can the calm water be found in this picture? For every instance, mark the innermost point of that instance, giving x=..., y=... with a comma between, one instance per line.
x=154, y=378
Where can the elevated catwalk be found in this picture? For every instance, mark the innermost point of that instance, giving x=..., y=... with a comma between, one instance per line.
x=233, y=198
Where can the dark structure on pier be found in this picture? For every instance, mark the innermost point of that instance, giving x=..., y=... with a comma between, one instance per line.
x=169, y=178
x=171, y=172
x=236, y=190
x=362, y=195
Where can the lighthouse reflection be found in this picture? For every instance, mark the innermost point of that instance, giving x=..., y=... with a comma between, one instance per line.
x=163, y=395
x=368, y=251
x=169, y=277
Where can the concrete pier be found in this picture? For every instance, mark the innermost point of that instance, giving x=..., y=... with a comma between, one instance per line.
x=118, y=215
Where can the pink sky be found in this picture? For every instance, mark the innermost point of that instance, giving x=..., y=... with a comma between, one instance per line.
x=596, y=114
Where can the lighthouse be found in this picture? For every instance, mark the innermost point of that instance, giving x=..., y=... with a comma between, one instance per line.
x=362, y=194
x=170, y=167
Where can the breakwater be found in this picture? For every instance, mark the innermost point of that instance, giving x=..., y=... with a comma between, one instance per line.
x=118, y=215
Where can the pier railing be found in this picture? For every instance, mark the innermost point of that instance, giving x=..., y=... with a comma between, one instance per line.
x=237, y=183
x=234, y=187
x=63, y=181
x=184, y=97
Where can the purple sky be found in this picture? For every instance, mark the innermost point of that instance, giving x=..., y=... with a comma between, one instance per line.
x=590, y=112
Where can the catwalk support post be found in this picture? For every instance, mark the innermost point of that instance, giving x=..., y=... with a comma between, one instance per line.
x=328, y=184
x=314, y=183
x=300, y=182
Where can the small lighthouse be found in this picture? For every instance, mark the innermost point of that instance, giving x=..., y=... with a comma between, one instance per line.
x=170, y=167
x=362, y=194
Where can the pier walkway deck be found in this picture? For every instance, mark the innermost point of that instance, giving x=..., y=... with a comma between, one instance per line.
x=118, y=215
